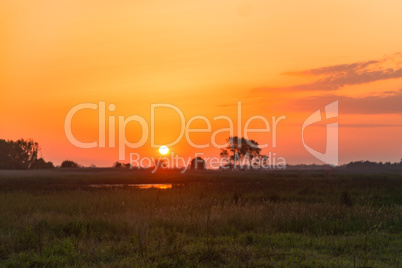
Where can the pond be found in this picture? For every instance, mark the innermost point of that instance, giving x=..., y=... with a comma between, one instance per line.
x=162, y=186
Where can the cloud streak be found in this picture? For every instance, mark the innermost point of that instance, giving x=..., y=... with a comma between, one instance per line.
x=335, y=69
x=331, y=78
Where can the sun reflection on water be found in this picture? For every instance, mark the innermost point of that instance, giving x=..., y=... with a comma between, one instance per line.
x=162, y=186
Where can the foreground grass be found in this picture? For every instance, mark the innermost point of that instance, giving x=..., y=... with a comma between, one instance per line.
x=211, y=219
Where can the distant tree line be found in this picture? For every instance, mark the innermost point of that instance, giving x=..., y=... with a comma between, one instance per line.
x=121, y=165
x=369, y=164
x=23, y=154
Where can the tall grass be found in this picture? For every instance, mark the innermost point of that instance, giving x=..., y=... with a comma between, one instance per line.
x=211, y=219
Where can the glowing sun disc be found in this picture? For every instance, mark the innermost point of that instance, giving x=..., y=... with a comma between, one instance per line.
x=163, y=149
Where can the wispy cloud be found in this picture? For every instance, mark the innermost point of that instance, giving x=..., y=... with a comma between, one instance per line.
x=331, y=78
x=335, y=69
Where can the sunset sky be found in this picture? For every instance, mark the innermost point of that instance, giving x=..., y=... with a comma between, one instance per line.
x=275, y=57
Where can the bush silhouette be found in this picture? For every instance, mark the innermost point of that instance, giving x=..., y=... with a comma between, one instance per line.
x=69, y=164
x=42, y=164
x=197, y=163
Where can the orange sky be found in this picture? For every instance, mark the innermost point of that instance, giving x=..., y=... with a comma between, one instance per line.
x=276, y=57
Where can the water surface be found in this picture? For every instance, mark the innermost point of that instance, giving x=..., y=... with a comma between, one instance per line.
x=162, y=186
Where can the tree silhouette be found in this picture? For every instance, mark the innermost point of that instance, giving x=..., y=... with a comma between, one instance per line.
x=239, y=149
x=20, y=154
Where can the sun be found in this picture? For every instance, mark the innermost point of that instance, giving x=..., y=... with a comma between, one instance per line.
x=163, y=149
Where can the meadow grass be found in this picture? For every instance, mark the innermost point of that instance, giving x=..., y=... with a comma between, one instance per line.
x=231, y=219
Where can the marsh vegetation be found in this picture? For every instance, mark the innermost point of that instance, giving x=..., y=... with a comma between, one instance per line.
x=208, y=218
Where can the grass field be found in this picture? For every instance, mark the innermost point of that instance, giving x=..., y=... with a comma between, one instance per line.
x=211, y=218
